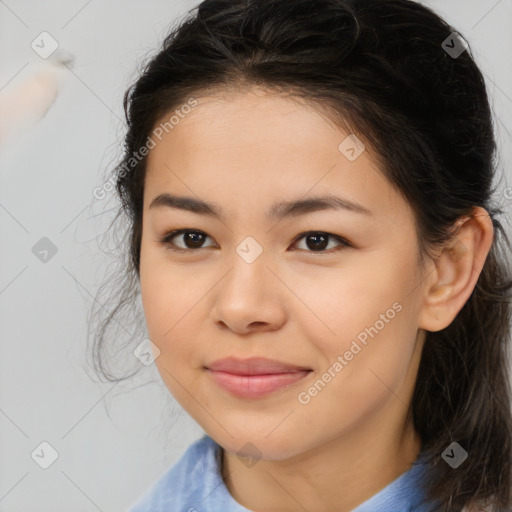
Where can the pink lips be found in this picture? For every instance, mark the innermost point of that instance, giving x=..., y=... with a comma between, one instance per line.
x=254, y=377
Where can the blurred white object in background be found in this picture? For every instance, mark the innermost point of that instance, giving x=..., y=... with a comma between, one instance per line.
x=23, y=105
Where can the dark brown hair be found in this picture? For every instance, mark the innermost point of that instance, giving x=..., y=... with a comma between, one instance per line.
x=381, y=69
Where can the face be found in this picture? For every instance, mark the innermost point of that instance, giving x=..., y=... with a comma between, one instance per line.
x=332, y=290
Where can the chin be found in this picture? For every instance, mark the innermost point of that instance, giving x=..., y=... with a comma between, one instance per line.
x=247, y=443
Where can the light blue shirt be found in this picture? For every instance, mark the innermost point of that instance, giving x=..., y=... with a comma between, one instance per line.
x=195, y=484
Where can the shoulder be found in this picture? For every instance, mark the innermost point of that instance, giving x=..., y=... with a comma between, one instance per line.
x=183, y=484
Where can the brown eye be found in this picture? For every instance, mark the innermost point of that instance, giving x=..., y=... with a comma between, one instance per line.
x=192, y=239
x=318, y=241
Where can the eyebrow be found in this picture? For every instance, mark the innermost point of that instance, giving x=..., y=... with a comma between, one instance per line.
x=277, y=211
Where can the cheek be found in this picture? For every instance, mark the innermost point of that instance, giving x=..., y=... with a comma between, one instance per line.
x=160, y=301
x=172, y=305
x=169, y=309
x=366, y=316
x=162, y=290
x=157, y=301
x=368, y=376
x=343, y=304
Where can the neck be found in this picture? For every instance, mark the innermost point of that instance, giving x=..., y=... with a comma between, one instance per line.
x=337, y=475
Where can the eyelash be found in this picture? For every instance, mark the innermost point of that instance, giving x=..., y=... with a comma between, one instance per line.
x=166, y=240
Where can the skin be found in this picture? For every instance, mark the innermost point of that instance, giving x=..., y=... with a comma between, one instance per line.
x=293, y=303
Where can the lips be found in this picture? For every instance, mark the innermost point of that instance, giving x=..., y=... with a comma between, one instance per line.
x=255, y=377
x=253, y=366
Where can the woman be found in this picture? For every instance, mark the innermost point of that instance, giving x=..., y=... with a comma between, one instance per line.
x=312, y=225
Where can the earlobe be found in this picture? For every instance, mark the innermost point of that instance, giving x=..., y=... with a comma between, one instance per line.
x=457, y=268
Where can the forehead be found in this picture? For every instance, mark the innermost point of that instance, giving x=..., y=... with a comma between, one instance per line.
x=249, y=123
x=258, y=147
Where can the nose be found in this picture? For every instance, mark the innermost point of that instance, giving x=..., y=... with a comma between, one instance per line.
x=250, y=298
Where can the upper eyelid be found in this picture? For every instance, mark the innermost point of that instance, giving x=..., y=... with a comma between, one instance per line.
x=176, y=232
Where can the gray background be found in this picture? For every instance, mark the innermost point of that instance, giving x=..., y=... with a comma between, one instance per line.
x=112, y=443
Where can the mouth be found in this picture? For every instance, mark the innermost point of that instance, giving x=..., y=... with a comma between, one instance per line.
x=255, y=377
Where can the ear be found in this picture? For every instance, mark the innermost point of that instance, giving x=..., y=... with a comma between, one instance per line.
x=456, y=270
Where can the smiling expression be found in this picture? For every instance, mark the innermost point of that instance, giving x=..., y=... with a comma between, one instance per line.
x=289, y=251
